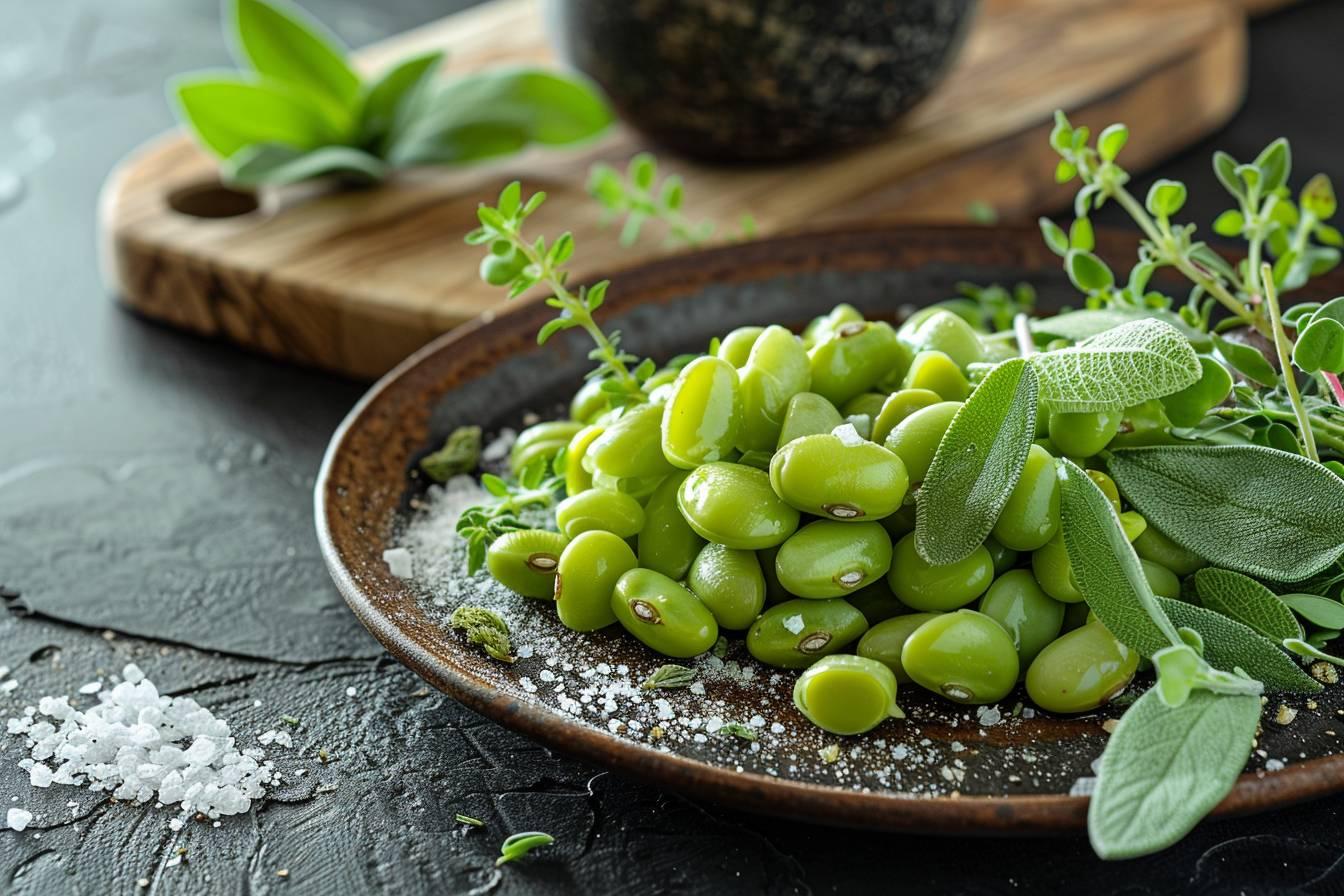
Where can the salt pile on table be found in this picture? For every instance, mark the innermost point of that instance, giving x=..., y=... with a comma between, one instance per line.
x=142, y=746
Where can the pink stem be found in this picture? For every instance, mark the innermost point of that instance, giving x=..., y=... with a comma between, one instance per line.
x=1336, y=387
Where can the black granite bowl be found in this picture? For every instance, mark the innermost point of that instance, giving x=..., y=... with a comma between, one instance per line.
x=750, y=80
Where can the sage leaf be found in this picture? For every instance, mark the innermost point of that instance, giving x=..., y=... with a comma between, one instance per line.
x=385, y=103
x=1258, y=511
x=1104, y=564
x=226, y=113
x=1247, y=601
x=1310, y=651
x=271, y=163
x=500, y=111
x=1165, y=768
x=1229, y=645
x=978, y=462
x=1322, y=611
x=1079, y=325
x=283, y=43
x=1246, y=360
x=1118, y=368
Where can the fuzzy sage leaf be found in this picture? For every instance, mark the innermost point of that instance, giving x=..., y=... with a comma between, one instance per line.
x=978, y=462
x=1323, y=611
x=1258, y=511
x=1247, y=601
x=1166, y=767
x=1228, y=645
x=1105, y=566
x=1118, y=368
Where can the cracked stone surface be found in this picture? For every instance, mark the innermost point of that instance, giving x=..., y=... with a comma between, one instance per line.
x=155, y=508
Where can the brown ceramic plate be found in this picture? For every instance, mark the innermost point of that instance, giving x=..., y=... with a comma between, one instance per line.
x=945, y=769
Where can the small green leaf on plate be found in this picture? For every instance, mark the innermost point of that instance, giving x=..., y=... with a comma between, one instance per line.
x=1088, y=272
x=1229, y=645
x=1165, y=768
x=1262, y=512
x=1118, y=368
x=1246, y=360
x=1247, y=601
x=1323, y=611
x=1320, y=347
x=977, y=464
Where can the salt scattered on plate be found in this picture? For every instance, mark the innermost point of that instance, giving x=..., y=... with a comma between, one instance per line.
x=141, y=746
x=848, y=435
x=399, y=562
x=18, y=819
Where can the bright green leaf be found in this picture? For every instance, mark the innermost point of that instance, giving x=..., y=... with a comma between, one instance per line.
x=1230, y=223
x=386, y=103
x=269, y=163
x=1088, y=272
x=1118, y=368
x=1274, y=164
x=1244, y=599
x=1054, y=235
x=1246, y=360
x=1320, y=347
x=1323, y=611
x=283, y=43
x=1111, y=141
x=227, y=113
x=1166, y=198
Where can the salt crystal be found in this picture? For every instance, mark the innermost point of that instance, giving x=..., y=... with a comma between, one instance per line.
x=39, y=775
x=8, y=686
x=848, y=435
x=1274, y=765
x=499, y=447
x=131, y=672
x=794, y=623
x=1083, y=787
x=18, y=819
x=350, y=692
x=399, y=562
x=92, y=687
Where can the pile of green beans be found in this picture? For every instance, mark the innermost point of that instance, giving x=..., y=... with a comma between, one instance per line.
x=768, y=488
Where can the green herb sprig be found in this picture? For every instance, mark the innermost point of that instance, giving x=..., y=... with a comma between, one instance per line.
x=298, y=109
x=638, y=197
x=486, y=628
x=669, y=676
x=537, y=485
x=461, y=452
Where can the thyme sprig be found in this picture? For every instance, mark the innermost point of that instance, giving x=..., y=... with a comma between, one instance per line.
x=638, y=197
x=537, y=485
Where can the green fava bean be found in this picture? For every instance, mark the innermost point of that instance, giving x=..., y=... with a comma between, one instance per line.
x=601, y=510
x=1050, y=566
x=1083, y=434
x=735, y=348
x=1030, y=518
x=950, y=334
x=776, y=370
x=832, y=559
x=824, y=327
x=730, y=583
x=734, y=505
x=701, y=418
x=854, y=359
x=1188, y=406
x=808, y=414
x=869, y=405
x=667, y=543
x=1031, y=617
x=885, y=640
x=637, y=487
x=526, y=561
x=831, y=477
x=922, y=586
x=794, y=634
x=915, y=439
x=1081, y=671
x=847, y=694
x=1004, y=558
x=590, y=566
x=937, y=372
x=663, y=614
x=1153, y=545
x=897, y=407
x=577, y=478
x=1161, y=580
x=632, y=446
x=589, y=403
x=965, y=656
x=1144, y=425
x=876, y=602
x=1107, y=486
x=543, y=439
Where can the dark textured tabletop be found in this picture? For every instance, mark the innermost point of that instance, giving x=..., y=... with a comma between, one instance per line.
x=155, y=495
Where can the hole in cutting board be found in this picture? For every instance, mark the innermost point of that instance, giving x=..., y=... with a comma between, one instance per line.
x=212, y=199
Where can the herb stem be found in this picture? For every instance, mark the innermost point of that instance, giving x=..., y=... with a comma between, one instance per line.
x=576, y=309
x=1286, y=363
x=1165, y=246
x=1327, y=434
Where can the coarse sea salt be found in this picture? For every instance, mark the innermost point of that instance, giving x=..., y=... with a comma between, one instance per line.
x=18, y=819
x=848, y=435
x=141, y=746
x=400, y=562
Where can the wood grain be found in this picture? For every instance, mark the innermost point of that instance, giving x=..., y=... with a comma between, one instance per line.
x=354, y=281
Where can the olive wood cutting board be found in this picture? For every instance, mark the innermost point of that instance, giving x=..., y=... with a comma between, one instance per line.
x=353, y=281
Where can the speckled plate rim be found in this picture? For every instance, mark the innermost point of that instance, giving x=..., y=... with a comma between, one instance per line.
x=1015, y=814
